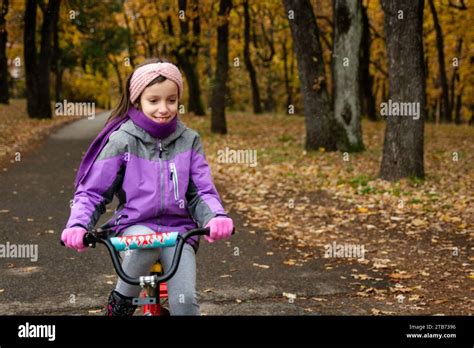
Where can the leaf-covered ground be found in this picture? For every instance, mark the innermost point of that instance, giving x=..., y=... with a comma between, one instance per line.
x=416, y=234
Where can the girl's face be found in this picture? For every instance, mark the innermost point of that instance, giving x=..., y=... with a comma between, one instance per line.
x=159, y=102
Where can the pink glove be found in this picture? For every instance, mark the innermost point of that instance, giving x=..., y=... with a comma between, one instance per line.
x=221, y=228
x=73, y=237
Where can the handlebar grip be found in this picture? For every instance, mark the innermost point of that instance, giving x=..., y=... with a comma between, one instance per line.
x=208, y=231
x=87, y=240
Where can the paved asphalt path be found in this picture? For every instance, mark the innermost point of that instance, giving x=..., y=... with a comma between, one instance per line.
x=34, y=207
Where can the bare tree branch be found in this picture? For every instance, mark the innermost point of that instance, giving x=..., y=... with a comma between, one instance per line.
x=459, y=7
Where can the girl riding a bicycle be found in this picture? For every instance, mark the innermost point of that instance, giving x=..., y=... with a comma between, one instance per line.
x=156, y=167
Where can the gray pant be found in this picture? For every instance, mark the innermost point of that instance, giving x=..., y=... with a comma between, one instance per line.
x=182, y=295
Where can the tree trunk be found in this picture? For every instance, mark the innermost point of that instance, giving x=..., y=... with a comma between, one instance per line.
x=366, y=81
x=457, y=111
x=319, y=119
x=288, y=82
x=187, y=56
x=257, y=108
x=437, y=111
x=208, y=68
x=384, y=90
x=403, y=142
x=59, y=85
x=346, y=72
x=471, y=120
x=29, y=46
x=116, y=65
x=445, y=108
x=130, y=41
x=4, y=90
x=56, y=63
x=37, y=71
x=49, y=18
x=195, y=103
x=455, y=100
x=218, y=102
x=269, y=102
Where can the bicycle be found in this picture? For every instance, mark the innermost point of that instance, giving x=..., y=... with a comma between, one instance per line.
x=154, y=289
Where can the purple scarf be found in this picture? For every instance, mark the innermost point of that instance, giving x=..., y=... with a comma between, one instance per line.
x=156, y=130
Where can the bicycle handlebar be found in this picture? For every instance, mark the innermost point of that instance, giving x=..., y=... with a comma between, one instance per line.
x=153, y=279
x=100, y=236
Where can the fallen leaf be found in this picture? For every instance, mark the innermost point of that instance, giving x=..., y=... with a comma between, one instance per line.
x=261, y=266
x=400, y=275
x=318, y=299
x=400, y=288
x=418, y=222
x=376, y=311
x=379, y=264
x=361, y=276
x=362, y=294
x=94, y=311
x=30, y=269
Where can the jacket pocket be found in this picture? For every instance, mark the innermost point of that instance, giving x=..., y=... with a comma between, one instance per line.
x=174, y=178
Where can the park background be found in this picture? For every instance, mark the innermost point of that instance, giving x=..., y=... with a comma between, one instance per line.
x=302, y=83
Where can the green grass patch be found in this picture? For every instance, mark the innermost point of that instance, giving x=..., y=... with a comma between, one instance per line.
x=285, y=138
x=415, y=201
x=360, y=180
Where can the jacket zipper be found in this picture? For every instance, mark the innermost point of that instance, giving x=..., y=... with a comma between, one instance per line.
x=174, y=177
x=162, y=189
x=161, y=149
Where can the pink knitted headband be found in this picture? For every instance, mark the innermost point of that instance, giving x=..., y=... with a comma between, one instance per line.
x=147, y=73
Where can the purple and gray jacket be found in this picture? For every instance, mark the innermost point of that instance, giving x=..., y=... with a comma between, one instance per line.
x=164, y=184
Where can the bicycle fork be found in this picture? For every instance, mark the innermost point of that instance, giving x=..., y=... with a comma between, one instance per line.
x=151, y=299
x=152, y=293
